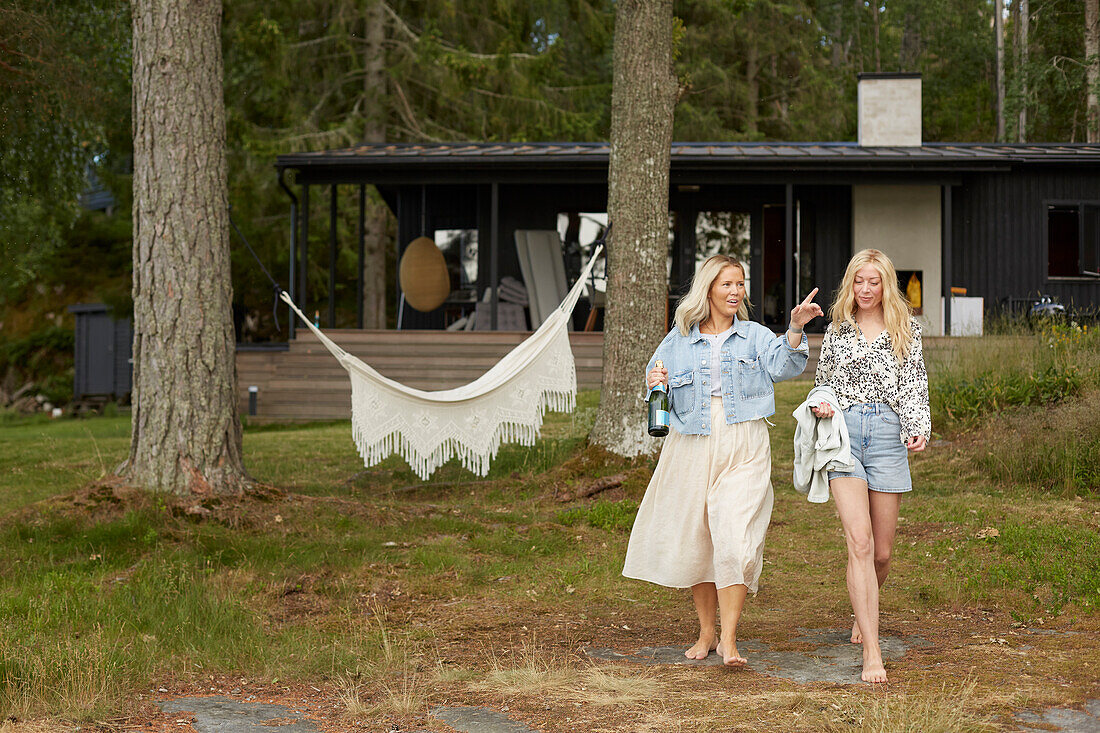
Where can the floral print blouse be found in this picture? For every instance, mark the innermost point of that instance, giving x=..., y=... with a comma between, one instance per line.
x=861, y=372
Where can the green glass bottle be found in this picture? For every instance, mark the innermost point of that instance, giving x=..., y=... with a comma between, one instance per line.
x=658, y=409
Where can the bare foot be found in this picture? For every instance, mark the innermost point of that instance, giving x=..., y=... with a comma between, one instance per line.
x=857, y=636
x=733, y=658
x=873, y=671
x=702, y=648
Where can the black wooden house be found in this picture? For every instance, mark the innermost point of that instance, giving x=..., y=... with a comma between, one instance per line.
x=1004, y=222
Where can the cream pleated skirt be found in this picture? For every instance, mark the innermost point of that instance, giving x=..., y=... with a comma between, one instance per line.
x=707, y=508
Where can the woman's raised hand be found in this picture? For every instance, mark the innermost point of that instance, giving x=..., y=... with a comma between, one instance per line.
x=657, y=375
x=806, y=311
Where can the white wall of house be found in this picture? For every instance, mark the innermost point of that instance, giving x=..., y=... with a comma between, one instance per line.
x=904, y=222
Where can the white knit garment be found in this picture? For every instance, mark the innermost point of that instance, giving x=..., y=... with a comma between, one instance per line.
x=506, y=404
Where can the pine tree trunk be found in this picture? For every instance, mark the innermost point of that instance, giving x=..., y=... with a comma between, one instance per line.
x=1092, y=60
x=752, y=77
x=875, y=37
x=642, y=101
x=186, y=435
x=1023, y=69
x=999, y=30
x=374, y=131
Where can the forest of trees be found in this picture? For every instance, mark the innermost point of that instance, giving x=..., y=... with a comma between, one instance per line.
x=315, y=74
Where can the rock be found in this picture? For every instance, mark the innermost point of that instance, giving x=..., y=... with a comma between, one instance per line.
x=222, y=715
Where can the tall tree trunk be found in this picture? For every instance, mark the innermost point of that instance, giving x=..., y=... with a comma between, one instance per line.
x=1023, y=69
x=909, y=53
x=642, y=101
x=999, y=30
x=874, y=27
x=374, y=131
x=1092, y=59
x=185, y=435
x=752, y=78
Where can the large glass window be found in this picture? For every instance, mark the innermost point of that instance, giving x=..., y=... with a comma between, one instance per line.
x=1073, y=239
x=459, y=248
x=579, y=231
x=723, y=233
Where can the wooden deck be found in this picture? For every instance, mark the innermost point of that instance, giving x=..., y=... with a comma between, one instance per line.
x=304, y=382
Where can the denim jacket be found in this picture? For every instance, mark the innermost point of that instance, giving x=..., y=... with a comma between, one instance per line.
x=753, y=359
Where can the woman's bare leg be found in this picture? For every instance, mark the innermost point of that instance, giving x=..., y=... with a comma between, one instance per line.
x=884, y=524
x=731, y=600
x=706, y=605
x=853, y=506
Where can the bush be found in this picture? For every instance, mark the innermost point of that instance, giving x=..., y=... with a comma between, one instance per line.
x=972, y=378
x=45, y=358
x=966, y=400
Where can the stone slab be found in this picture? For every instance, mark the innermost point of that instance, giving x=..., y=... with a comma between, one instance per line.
x=833, y=658
x=478, y=720
x=223, y=715
x=1066, y=720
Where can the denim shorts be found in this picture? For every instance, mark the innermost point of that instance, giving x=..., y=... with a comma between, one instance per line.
x=881, y=458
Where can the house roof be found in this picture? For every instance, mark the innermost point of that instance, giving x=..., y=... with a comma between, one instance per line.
x=705, y=153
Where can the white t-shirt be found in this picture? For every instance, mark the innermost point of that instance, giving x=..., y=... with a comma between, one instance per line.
x=715, y=364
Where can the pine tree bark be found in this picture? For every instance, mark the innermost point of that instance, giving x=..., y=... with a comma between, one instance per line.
x=374, y=131
x=185, y=435
x=642, y=101
x=1092, y=61
x=999, y=31
x=752, y=78
x=1023, y=68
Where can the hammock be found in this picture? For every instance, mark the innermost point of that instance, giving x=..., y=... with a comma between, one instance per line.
x=506, y=404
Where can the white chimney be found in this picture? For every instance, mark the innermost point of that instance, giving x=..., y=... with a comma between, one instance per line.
x=889, y=110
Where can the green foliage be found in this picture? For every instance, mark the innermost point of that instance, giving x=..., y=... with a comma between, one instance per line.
x=1055, y=565
x=965, y=401
x=43, y=357
x=612, y=516
x=1053, y=450
x=64, y=100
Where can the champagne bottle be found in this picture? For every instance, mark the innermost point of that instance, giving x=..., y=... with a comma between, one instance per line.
x=658, y=409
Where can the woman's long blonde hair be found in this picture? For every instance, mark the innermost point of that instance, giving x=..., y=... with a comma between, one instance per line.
x=895, y=308
x=694, y=307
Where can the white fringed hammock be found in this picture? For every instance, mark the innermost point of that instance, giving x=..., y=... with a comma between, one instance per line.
x=506, y=404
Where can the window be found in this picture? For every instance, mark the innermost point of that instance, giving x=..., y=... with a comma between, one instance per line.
x=1073, y=239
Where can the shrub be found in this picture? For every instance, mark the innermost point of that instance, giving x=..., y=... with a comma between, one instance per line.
x=965, y=401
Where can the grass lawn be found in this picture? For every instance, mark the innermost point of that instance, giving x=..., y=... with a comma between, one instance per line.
x=368, y=596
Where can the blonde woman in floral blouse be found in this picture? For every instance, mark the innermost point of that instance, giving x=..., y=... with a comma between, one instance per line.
x=871, y=356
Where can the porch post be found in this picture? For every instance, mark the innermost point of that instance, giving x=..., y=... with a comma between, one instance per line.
x=788, y=244
x=494, y=253
x=945, y=253
x=362, y=256
x=291, y=285
x=303, y=291
x=332, y=257
x=756, y=261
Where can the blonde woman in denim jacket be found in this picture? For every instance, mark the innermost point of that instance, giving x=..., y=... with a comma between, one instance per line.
x=702, y=521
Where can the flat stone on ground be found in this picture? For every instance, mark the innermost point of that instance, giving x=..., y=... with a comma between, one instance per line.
x=833, y=659
x=478, y=720
x=1067, y=720
x=222, y=715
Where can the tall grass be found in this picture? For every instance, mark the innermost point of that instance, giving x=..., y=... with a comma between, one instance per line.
x=1034, y=398
x=972, y=378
